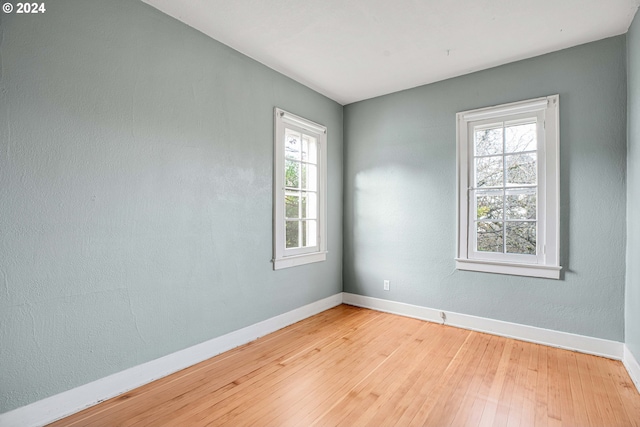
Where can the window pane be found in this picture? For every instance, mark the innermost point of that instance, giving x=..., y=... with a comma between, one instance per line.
x=309, y=234
x=292, y=234
x=521, y=238
x=292, y=174
x=301, y=234
x=292, y=204
x=488, y=141
x=309, y=149
x=489, y=172
x=520, y=138
x=309, y=177
x=489, y=236
x=292, y=146
x=521, y=169
x=489, y=206
x=521, y=204
x=309, y=205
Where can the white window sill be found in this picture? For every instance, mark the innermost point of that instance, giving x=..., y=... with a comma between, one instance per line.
x=530, y=270
x=293, y=261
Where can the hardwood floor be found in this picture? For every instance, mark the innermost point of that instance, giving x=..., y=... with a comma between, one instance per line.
x=355, y=367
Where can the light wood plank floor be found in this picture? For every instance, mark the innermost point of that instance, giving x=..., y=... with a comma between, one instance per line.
x=355, y=367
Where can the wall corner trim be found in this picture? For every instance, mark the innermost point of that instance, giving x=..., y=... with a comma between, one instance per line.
x=71, y=401
x=565, y=340
x=633, y=367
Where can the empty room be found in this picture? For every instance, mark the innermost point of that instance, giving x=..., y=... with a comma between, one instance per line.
x=320, y=213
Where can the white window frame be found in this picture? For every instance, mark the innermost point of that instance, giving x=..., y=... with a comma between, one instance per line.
x=546, y=262
x=283, y=257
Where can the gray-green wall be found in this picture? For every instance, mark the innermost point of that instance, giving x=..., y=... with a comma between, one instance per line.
x=400, y=194
x=136, y=193
x=632, y=299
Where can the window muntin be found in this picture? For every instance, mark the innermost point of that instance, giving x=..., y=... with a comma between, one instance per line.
x=299, y=190
x=508, y=188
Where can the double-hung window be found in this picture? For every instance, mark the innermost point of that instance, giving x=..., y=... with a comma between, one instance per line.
x=508, y=189
x=299, y=202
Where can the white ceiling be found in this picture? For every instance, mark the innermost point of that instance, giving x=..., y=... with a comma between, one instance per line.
x=350, y=50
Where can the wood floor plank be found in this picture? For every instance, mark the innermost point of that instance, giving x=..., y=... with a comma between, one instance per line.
x=554, y=403
x=493, y=398
x=567, y=406
x=517, y=402
x=350, y=366
x=542, y=390
x=578, y=401
x=531, y=383
x=509, y=385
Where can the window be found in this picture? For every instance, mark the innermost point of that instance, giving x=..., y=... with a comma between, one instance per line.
x=508, y=189
x=299, y=195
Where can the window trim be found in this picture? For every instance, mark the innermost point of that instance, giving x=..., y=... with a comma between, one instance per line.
x=282, y=257
x=546, y=262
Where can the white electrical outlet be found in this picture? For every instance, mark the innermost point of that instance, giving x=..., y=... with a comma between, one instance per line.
x=386, y=285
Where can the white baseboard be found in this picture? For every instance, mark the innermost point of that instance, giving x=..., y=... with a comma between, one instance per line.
x=69, y=402
x=632, y=366
x=581, y=343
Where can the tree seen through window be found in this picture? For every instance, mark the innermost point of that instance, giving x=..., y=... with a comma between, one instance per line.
x=505, y=190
